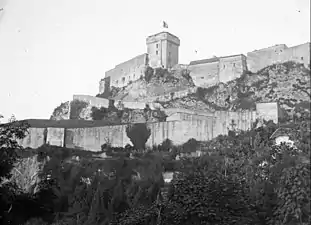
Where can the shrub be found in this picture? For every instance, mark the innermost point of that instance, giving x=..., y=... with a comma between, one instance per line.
x=166, y=145
x=148, y=73
x=190, y=146
x=99, y=114
x=76, y=108
x=9, y=135
x=138, y=134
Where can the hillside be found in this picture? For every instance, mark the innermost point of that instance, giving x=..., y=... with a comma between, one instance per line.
x=83, y=111
x=288, y=83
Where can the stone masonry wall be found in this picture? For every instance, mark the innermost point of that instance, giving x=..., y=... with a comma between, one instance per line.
x=125, y=72
x=177, y=131
x=34, y=138
x=92, y=101
x=205, y=75
x=187, y=125
x=231, y=68
x=259, y=59
x=55, y=136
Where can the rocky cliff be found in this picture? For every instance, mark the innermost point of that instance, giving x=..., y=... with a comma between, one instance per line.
x=83, y=111
x=287, y=83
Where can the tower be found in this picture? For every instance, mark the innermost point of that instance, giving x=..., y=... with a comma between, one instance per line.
x=162, y=49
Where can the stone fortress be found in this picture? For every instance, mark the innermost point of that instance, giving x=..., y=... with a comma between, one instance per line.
x=180, y=124
x=163, y=51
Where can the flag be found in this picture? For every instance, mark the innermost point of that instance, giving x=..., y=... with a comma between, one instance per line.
x=165, y=24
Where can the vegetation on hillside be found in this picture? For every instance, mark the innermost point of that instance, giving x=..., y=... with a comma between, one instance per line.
x=125, y=115
x=61, y=111
x=287, y=83
x=242, y=179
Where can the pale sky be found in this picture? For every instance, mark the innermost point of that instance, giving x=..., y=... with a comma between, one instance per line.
x=53, y=49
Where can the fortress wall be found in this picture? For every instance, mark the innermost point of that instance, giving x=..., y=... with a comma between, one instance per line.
x=125, y=72
x=202, y=129
x=92, y=101
x=299, y=53
x=205, y=74
x=177, y=131
x=231, y=68
x=201, y=126
x=55, y=136
x=226, y=120
x=259, y=59
x=34, y=138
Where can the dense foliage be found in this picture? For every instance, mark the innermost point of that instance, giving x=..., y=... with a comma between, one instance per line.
x=138, y=134
x=243, y=178
x=76, y=107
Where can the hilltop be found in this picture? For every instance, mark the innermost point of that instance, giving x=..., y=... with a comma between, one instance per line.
x=287, y=83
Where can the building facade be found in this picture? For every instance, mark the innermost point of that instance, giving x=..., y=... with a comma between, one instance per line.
x=162, y=49
x=259, y=59
x=209, y=72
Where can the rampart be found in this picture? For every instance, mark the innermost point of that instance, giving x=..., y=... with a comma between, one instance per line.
x=125, y=72
x=209, y=72
x=259, y=59
x=180, y=127
x=92, y=101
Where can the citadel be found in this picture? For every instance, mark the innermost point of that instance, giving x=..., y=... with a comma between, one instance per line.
x=180, y=124
x=163, y=51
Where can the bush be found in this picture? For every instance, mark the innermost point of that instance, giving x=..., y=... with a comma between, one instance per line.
x=99, y=114
x=166, y=145
x=76, y=108
x=190, y=146
x=138, y=134
x=148, y=73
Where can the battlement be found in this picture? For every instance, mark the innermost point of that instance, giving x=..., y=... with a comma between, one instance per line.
x=163, y=36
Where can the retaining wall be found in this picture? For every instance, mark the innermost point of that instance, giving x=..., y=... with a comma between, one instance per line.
x=92, y=101
x=34, y=138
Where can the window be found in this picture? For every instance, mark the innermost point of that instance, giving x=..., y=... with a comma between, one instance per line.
x=116, y=82
x=123, y=79
x=157, y=45
x=156, y=52
x=224, y=66
x=233, y=64
x=301, y=58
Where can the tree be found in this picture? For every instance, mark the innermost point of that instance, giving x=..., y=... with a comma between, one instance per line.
x=9, y=135
x=138, y=134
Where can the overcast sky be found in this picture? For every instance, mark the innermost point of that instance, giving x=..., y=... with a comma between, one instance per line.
x=52, y=49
